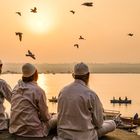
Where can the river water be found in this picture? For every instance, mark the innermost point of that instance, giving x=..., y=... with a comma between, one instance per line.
x=105, y=85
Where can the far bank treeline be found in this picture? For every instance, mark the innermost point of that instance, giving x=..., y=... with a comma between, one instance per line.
x=67, y=68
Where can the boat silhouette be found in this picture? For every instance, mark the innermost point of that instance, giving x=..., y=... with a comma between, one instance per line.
x=53, y=99
x=121, y=101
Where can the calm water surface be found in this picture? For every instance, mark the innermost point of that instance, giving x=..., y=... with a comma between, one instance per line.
x=105, y=85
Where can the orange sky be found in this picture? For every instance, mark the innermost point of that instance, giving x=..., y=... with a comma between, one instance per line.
x=52, y=32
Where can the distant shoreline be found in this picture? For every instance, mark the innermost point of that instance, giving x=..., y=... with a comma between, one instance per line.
x=110, y=68
x=71, y=73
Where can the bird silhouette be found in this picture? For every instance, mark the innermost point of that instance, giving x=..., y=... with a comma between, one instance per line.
x=72, y=11
x=76, y=45
x=130, y=34
x=87, y=4
x=30, y=54
x=81, y=38
x=34, y=10
x=19, y=13
x=20, y=35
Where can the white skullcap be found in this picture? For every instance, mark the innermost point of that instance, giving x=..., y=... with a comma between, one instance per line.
x=28, y=70
x=80, y=69
x=0, y=62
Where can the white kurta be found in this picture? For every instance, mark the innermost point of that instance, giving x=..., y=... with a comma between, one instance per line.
x=5, y=93
x=80, y=112
x=29, y=111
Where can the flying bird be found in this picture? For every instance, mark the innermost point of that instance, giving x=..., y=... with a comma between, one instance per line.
x=72, y=11
x=20, y=35
x=76, y=45
x=34, y=10
x=81, y=38
x=19, y=13
x=130, y=34
x=30, y=54
x=87, y=4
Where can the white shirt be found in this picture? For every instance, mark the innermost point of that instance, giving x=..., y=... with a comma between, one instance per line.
x=29, y=111
x=79, y=112
x=5, y=93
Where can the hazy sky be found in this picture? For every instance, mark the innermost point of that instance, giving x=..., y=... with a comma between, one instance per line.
x=52, y=32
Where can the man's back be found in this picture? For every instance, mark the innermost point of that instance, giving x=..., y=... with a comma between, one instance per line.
x=26, y=104
x=80, y=111
x=75, y=107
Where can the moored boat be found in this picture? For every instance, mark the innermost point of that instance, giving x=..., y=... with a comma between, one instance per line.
x=127, y=126
x=111, y=114
x=127, y=123
x=130, y=120
x=53, y=99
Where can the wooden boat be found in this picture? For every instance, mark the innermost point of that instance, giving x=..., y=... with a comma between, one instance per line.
x=120, y=101
x=111, y=114
x=121, y=122
x=130, y=120
x=127, y=123
x=53, y=99
x=127, y=126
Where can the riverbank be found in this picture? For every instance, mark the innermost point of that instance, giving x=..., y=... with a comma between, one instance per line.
x=118, y=134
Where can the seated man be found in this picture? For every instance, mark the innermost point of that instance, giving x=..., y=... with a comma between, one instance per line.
x=80, y=112
x=29, y=111
x=5, y=93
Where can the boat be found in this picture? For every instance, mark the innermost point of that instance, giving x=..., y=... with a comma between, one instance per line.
x=127, y=126
x=111, y=114
x=127, y=123
x=53, y=99
x=120, y=101
x=130, y=120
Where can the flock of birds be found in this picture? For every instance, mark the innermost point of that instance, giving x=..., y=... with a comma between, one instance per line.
x=20, y=34
x=34, y=10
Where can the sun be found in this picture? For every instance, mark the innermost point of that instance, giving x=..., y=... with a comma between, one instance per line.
x=39, y=23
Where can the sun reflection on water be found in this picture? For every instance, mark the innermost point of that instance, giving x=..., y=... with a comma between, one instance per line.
x=43, y=82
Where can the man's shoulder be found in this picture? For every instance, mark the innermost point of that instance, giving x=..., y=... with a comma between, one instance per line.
x=91, y=92
x=70, y=85
x=3, y=82
x=38, y=89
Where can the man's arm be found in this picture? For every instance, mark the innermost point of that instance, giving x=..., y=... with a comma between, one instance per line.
x=6, y=91
x=43, y=108
x=97, y=111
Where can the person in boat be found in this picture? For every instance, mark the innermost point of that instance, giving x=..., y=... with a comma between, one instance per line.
x=5, y=93
x=80, y=111
x=120, y=99
x=29, y=112
x=126, y=98
x=136, y=116
x=114, y=98
x=54, y=97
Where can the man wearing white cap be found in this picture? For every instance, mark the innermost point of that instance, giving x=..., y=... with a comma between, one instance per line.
x=5, y=93
x=80, y=112
x=29, y=111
